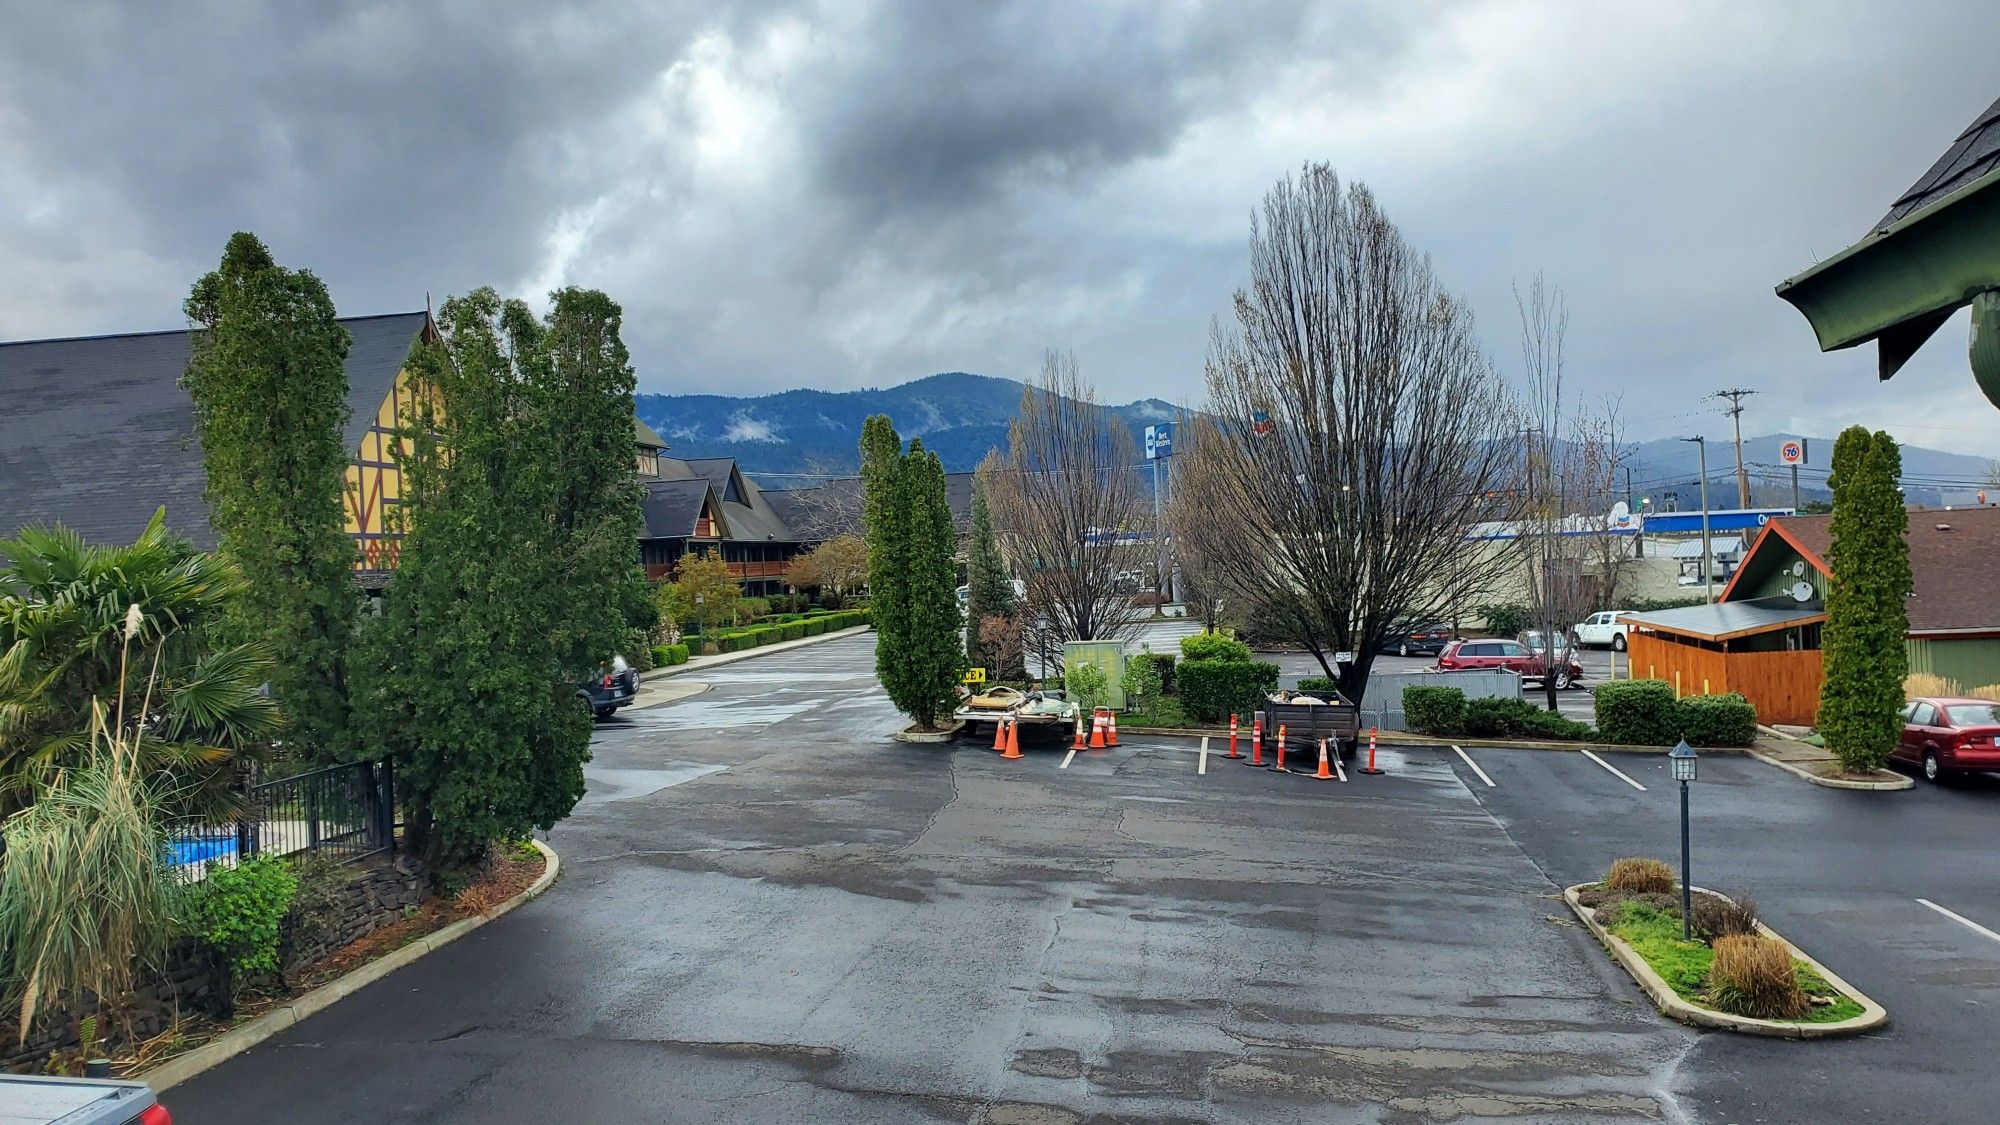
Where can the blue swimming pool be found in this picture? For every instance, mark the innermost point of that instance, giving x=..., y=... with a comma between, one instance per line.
x=199, y=848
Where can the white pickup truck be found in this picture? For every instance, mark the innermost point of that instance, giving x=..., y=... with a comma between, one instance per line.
x=34, y=1100
x=1605, y=628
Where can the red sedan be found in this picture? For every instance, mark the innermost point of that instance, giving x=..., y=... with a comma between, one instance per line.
x=1950, y=735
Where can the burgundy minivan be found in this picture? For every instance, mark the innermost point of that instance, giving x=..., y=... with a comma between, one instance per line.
x=1950, y=735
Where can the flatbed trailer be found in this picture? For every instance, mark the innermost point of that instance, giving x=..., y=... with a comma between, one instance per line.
x=1029, y=711
x=1337, y=720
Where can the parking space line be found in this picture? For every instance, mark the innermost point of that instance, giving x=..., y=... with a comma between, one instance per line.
x=1615, y=770
x=1068, y=758
x=1482, y=773
x=1960, y=919
x=1203, y=767
x=1338, y=771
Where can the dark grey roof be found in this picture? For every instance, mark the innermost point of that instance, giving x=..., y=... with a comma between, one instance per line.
x=673, y=506
x=96, y=431
x=1729, y=619
x=1975, y=153
x=799, y=507
x=642, y=434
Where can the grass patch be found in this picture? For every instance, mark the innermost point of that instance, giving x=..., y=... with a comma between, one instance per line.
x=1165, y=713
x=1656, y=935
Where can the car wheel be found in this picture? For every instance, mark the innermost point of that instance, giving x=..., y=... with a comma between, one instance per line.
x=1564, y=681
x=1618, y=643
x=1403, y=649
x=603, y=713
x=1933, y=772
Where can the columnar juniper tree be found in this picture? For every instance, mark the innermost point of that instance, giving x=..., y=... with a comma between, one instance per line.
x=911, y=573
x=1354, y=433
x=1866, y=617
x=269, y=386
x=517, y=559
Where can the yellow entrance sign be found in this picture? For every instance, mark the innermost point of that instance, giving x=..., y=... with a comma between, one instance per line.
x=975, y=675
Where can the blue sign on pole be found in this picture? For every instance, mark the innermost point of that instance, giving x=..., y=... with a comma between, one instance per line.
x=1159, y=441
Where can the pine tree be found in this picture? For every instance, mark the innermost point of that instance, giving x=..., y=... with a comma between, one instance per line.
x=269, y=384
x=514, y=570
x=1867, y=617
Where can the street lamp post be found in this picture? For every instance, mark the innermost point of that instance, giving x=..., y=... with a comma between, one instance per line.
x=1683, y=760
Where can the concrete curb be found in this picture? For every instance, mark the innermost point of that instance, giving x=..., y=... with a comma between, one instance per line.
x=1405, y=738
x=1673, y=1007
x=930, y=737
x=240, y=1039
x=707, y=662
x=1890, y=784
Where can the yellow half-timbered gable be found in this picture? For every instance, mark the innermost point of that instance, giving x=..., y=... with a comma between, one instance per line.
x=375, y=481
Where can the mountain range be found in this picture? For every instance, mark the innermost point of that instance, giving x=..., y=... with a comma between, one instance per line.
x=781, y=438
x=774, y=437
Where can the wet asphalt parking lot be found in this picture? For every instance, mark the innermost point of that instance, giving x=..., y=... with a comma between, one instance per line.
x=772, y=912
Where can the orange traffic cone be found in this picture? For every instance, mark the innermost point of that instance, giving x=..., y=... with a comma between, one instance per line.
x=1000, y=735
x=1111, y=728
x=1097, y=730
x=1256, y=743
x=1325, y=768
x=1013, y=739
x=1232, y=739
x=1280, y=764
x=1079, y=743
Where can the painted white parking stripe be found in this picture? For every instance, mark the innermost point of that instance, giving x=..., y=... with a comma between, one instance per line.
x=1960, y=919
x=1482, y=773
x=1203, y=767
x=1613, y=769
x=1068, y=758
x=1338, y=770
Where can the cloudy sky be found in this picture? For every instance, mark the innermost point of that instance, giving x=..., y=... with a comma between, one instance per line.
x=847, y=194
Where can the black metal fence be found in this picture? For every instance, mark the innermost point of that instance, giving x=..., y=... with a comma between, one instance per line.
x=347, y=812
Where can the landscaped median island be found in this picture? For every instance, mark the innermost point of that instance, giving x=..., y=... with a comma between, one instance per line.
x=1733, y=973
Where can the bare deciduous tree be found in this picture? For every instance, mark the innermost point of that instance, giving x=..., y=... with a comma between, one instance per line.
x=1355, y=434
x=825, y=503
x=1570, y=557
x=1065, y=498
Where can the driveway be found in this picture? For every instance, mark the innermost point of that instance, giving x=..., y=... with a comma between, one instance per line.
x=771, y=912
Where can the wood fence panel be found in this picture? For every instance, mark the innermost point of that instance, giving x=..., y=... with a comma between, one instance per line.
x=1657, y=658
x=1784, y=686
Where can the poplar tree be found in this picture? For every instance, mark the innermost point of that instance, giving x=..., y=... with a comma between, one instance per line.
x=269, y=384
x=517, y=563
x=1866, y=616
x=882, y=528
x=912, y=574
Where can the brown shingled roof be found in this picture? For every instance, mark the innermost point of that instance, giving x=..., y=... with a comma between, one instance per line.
x=1954, y=558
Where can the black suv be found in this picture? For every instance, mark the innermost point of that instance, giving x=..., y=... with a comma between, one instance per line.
x=1411, y=638
x=615, y=685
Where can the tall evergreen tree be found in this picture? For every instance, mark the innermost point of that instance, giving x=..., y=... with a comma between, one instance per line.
x=882, y=521
x=930, y=652
x=521, y=481
x=1866, y=616
x=991, y=592
x=269, y=384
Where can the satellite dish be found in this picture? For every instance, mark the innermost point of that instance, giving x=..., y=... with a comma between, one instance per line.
x=1802, y=591
x=1798, y=568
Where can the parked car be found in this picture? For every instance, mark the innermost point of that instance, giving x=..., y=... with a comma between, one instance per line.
x=1605, y=628
x=1947, y=735
x=1415, y=637
x=1514, y=656
x=36, y=1100
x=615, y=685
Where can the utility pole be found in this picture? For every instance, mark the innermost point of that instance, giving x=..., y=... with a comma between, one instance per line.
x=1707, y=552
x=1632, y=506
x=1735, y=397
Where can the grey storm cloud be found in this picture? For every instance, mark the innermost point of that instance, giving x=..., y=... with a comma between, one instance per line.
x=844, y=194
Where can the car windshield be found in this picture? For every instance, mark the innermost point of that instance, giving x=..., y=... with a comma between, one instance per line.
x=1975, y=714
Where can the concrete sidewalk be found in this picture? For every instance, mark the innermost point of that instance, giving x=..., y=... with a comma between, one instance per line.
x=701, y=663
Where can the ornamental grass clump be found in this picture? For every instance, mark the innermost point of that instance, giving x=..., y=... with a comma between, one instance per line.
x=1715, y=917
x=1640, y=876
x=1754, y=976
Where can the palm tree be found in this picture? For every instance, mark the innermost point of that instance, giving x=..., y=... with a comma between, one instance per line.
x=63, y=647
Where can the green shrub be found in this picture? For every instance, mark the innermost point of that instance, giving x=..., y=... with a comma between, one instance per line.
x=1319, y=685
x=1214, y=647
x=1434, y=710
x=1087, y=685
x=1212, y=690
x=660, y=658
x=1518, y=718
x=1717, y=720
x=1163, y=663
x=1637, y=713
x=815, y=628
x=1503, y=619
x=1651, y=605
x=675, y=654
x=1141, y=683
x=237, y=911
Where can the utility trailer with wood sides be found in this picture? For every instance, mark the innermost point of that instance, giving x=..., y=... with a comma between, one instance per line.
x=1337, y=720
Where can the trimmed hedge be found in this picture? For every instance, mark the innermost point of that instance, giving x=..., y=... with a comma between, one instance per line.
x=1637, y=713
x=1434, y=710
x=1214, y=647
x=736, y=640
x=1717, y=720
x=1645, y=713
x=1211, y=690
x=666, y=656
x=1518, y=718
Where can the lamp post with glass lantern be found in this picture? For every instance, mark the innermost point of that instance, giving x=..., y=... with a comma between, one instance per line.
x=1683, y=761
